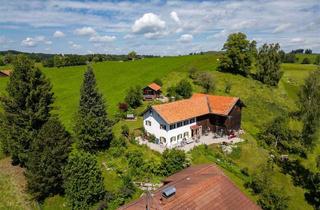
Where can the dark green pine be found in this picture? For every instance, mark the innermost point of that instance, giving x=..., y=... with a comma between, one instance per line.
x=92, y=128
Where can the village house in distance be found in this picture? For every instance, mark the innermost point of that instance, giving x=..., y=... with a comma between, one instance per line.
x=151, y=92
x=172, y=123
x=197, y=187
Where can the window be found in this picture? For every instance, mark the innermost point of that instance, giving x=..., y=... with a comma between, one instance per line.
x=186, y=135
x=162, y=126
x=173, y=126
x=148, y=122
x=179, y=124
x=163, y=140
x=186, y=122
x=179, y=137
x=172, y=139
x=192, y=120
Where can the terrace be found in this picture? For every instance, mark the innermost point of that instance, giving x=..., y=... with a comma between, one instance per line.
x=189, y=144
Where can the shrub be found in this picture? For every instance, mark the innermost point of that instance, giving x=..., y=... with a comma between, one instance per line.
x=134, y=97
x=184, y=89
x=173, y=161
x=123, y=107
x=306, y=61
x=205, y=80
x=193, y=72
x=227, y=87
x=125, y=130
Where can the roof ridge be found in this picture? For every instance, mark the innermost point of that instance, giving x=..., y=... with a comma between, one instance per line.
x=208, y=104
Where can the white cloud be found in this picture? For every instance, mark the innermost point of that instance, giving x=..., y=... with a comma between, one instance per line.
x=128, y=36
x=281, y=28
x=296, y=40
x=175, y=17
x=34, y=41
x=74, y=45
x=150, y=25
x=105, y=38
x=58, y=34
x=185, y=38
x=85, y=31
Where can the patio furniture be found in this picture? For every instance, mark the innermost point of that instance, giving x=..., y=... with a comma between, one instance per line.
x=189, y=141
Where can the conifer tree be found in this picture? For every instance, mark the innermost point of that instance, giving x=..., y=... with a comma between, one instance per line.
x=48, y=156
x=27, y=107
x=83, y=181
x=92, y=129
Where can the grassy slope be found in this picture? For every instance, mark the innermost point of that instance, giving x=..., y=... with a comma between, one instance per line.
x=114, y=78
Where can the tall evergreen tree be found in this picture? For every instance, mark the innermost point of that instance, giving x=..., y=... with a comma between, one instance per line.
x=26, y=107
x=268, y=64
x=239, y=54
x=48, y=156
x=83, y=181
x=310, y=107
x=92, y=129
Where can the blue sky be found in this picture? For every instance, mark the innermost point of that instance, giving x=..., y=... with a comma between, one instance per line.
x=154, y=27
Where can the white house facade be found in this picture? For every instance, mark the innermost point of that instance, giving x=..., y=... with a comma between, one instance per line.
x=167, y=134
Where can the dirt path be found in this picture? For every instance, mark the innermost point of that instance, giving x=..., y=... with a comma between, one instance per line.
x=12, y=187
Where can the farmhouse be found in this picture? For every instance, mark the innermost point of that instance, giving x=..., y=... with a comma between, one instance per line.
x=152, y=91
x=197, y=187
x=5, y=73
x=179, y=121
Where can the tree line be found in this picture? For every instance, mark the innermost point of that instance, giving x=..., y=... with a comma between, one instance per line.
x=61, y=60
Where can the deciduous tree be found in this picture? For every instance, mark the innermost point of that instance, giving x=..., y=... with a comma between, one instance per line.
x=268, y=64
x=239, y=54
x=310, y=107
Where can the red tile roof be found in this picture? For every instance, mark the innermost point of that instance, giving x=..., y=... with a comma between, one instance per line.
x=197, y=187
x=199, y=104
x=154, y=86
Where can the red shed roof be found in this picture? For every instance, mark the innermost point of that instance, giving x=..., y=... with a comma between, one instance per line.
x=154, y=86
x=199, y=104
x=197, y=187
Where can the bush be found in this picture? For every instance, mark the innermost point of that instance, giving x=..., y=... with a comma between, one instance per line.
x=205, y=80
x=227, y=87
x=134, y=97
x=184, y=89
x=125, y=130
x=306, y=61
x=193, y=72
x=173, y=161
x=273, y=199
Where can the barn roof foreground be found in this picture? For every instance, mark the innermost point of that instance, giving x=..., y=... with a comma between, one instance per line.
x=199, y=104
x=197, y=187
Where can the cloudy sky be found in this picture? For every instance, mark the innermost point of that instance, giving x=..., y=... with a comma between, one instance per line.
x=154, y=27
